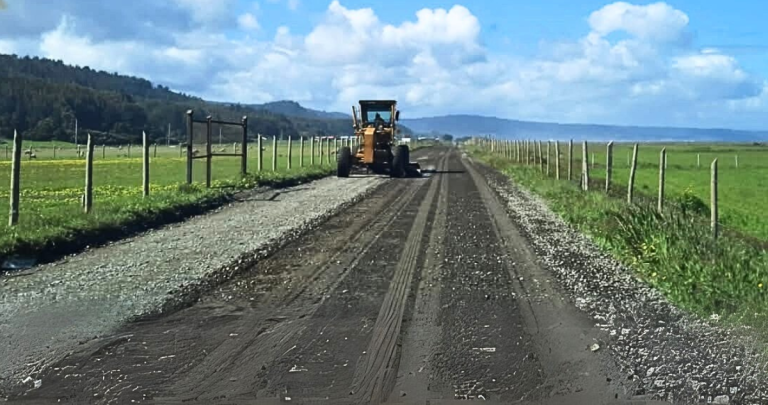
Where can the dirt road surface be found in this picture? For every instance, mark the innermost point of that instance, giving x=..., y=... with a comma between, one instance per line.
x=425, y=292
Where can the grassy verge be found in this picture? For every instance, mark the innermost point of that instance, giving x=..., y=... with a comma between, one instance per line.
x=673, y=253
x=53, y=224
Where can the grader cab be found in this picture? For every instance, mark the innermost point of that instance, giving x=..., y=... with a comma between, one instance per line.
x=377, y=151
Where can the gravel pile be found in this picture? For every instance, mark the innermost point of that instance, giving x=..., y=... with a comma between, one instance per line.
x=666, y=353
x=46, y=311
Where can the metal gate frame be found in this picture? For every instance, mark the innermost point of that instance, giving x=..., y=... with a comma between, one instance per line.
x=208, y=156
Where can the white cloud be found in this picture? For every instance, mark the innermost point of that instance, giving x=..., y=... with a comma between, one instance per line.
x=657, y=21
x=248, y=22
x=435, y=63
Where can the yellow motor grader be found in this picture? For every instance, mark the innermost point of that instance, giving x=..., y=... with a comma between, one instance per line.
x=377, y=149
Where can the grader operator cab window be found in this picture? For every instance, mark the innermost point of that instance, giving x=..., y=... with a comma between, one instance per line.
x=377, y=116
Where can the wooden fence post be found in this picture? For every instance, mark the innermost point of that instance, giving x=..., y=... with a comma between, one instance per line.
x=190, y=139
x=608, y=166
x=6, y=151
x=713, y=201
x=154, y=152
x=548, y=146
x=320, y=151
x=301, y=151
x=145, y=164
x=88, y=197
x=244, y=141
x=593, y=160
x=532, y=151
x=208, y=157
x=737, y=161
x=312, y=151
x=527, y=152
x=274, y=153
x=632, y=171
x=180, y=149
x=662, y=160
x=13, y=215
x=328, y=146
x=584, y=167
x=260, y=161
x=570, y=159
x=698, y=160
x=557, y=160
x=541, y=158
x=290, y=155
x=103, y=151
x=129, y=149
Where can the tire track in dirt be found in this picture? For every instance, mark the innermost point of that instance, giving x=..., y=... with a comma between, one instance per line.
x=240, y=354
x=561, y=333
x=239, y=358
x=423, y=330
x=483, y=352
x=207, y=352
x=375, y=376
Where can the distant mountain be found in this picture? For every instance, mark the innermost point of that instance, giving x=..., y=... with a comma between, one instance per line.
x=294, y=109
x=471, y=125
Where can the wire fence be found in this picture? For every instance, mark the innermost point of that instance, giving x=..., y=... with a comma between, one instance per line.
x=705, y=175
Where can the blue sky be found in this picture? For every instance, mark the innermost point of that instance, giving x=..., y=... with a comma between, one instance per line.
x=679, y=63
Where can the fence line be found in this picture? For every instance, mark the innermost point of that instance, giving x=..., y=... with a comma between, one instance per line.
x=520, y=151
x=86, y=201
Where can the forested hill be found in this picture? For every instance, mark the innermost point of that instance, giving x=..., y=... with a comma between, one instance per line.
x=41, y=98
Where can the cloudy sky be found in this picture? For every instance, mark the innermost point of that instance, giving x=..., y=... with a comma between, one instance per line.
x=700, y=63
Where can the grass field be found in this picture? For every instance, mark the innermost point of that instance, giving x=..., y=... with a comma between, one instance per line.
x=743, y=191
x=674, y=253
x=51, y=188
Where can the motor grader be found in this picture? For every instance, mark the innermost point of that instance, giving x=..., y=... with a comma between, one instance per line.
x=377, y=150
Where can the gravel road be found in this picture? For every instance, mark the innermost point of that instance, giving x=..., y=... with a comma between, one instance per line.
x=664, y=353
x=452, y=287
x=47, y=310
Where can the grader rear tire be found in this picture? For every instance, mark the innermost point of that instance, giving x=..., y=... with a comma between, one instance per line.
x=344, y=162
x=400, y=161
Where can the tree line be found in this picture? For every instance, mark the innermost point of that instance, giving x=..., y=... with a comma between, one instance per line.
x=42, y=98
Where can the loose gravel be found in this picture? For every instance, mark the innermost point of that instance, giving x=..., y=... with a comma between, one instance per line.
x=46, y=311
x=667, y=354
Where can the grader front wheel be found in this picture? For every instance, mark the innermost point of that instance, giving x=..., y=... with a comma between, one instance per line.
x=344, y=162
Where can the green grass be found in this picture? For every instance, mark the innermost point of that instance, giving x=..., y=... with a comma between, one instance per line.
x=673, y=253
x=742, y=202
x=51, y=216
